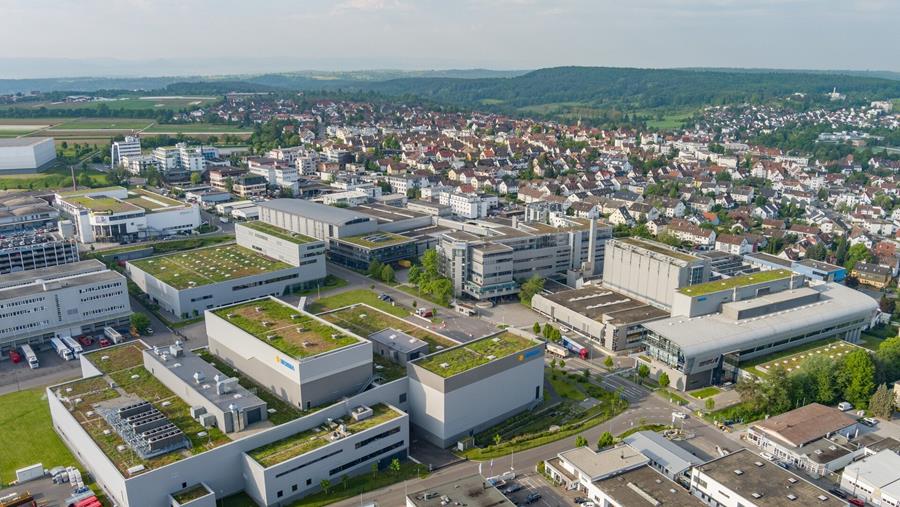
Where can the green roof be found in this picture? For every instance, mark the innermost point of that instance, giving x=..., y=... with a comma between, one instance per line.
x=285, y=328
x=659, y=248
x=311, y=439
x=278, y=232
x=447, y=363
x=101, y=204
x=85, y=191
x=203, y=266
x=151, y=201
x=376, y=239
x=735, y=281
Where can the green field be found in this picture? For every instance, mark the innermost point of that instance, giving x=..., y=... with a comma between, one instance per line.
x=669, y=121
x=128, y=103
x=474, y=354
x=102, y=124
x=58, y=177
x=210, y=128
x=705, y=392
x=365, y=320
x=791, y=359
x=352, y=297
x=28, y=437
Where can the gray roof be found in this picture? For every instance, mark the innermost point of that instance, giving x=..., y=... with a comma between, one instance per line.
x=51, y=273
x=717, y=333
x=878, y=470
x=314, y=211
x=598, y=465
x=645, y=487
x=398, y=340
x=16, y=142
x=663, y=452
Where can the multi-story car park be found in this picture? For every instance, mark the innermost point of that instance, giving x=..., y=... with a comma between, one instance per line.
x=23, y=252
x=718, y=325
x=612, y=320
x=24, y=213
x=26, y=154
x=304, y=359
x=67, y=300
x=119, y=214
x=458, y=391
x=651, y=271
x=149, y=433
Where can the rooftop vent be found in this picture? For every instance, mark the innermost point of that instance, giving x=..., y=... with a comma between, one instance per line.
x=792, y=497
x=758, y=463
x=445, y=365
x=271, y=336
x=738, y=472
x=756, y=495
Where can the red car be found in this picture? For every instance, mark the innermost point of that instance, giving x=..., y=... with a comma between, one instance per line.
x=856, y=501
x=15, y=357
x=86, y=340
x=105, y=342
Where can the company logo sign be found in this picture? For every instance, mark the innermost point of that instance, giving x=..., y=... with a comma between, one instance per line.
x=284, y=362
x=529, y=354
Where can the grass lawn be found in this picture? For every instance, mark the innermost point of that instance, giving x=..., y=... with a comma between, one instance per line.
x=563, y=385
x=361, y=484
x=28, y=437
x=413, y=291
x=365, y=320
x=736, y=281
x=791, y=359
x=671, y=396
x=705, y=392
x=331, y=282
x=56, y=177
x=278, y=232
x=872, y=338
x=474, y=354
x=239, y=500
x=352, y=297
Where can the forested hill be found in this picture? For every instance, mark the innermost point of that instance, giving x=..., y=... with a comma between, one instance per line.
x=627, y=88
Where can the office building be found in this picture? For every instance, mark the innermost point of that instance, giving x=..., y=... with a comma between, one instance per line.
x=665, y=456
x=650, y=271
x=24, y=252
x=458, y=391
x=114, y=214
x=874, y=479
x=716, y=326
x=65, y=300
x=745, y=479
x=26, y=154
x=176, y=163
x=812, y=269
x=315, y=220
x=279, y=244
x=129, y=148
x=278, y=174
x=612, y=320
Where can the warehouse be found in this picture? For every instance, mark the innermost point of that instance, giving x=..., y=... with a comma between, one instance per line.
x=456, y=392
x=315, y=220
x=26, y=154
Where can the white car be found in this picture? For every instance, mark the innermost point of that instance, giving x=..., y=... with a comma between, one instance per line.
x=767, y=456
x=679, y=415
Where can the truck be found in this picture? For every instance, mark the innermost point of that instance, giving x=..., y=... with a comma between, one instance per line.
x=113, y=335
x=61, y=349
x=72, y=344
x=557, y=349
x=30, y=356
x=575, y=347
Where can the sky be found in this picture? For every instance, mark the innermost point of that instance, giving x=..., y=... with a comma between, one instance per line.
x=63, y=38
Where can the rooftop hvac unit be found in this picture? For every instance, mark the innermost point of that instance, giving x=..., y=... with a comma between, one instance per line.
x=175, y=350
x=226, y=386
x=134, y=408
x=207, y=420
x=197, y=411
x=361, y=413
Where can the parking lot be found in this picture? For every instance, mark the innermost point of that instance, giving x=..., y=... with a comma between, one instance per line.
x=533, y=485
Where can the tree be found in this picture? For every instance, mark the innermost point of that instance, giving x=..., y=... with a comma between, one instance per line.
x=586, y=373
x=387, y=273
x=857, y=253
x=140, y=323
x=886, y=304
x=548, y=330
x=643, y=372
x=374, y=468
x=325, y=484
x=374, y=268
x=820, y=374
x=580, y=441
x=229, y=184
x=663, y=380
x=710, y=404
x=537, y=328
x=882, y=402
x=532, y=286
x=606, y=439
x=196, y=178
x=345, y=480
x=857, y=375
x=414, y=273
x=887, y=359
x=608, y=362
x=395, y=466
x=497, y=439
x=562, y=363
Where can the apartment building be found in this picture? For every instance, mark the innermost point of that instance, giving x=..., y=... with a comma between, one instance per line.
x=177, y=162
x=281, y=174
x=65, y=300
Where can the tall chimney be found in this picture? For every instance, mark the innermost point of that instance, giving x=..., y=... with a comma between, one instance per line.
x=592, y=247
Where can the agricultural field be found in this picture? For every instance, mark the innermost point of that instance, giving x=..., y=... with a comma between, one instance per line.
x=102, y=124
x=56, y=177
x=201, y=128
x=128, y=103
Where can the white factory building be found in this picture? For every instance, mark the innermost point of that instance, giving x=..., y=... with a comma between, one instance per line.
x=26, y=154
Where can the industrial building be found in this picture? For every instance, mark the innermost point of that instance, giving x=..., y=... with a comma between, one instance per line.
x=651, y=271
x=315, y=220
x=26, y=251
x=25, y=213
x=200, y=433
x=717, y=326
x=743, y=478
x=26, y=154
x=612, y=320
x=66, y=300
x=114, y=214
x=303, y=359
x=458, y=391
x=812, y=269
x=874, y=479
x=288, y=247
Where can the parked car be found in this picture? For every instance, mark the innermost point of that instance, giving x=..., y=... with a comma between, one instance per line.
x=86, y=340
x=580, y=500
x=425, y=312
x=512, y=488
x=15, y=357
x=105, y=342
x=869, y=421
x=845, y=406
x=679, y=415
x=385, y=297
x=858, y=502
x=767, y=456
x=838, y=492
x=533, y=497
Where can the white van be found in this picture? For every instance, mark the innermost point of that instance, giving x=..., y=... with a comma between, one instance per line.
x=844, y=406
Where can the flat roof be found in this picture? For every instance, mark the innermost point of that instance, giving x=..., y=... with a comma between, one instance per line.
x=598, y=465
x=398, y=340
x=718, y=333
x=280, y=325
x=661, y=450
x=878, y=470
x=660, y=248
x=314, y=211
x=594, y=302
x=387, y=214
x=736, y=281
x=301, y=443
x=645, y=486
x=101, y=204
x=769, y=258
x=276, y=231
x=802, y=425
x=203, y=266
x=824, y=266
x=18, y=142
x=376, y=239
x=152, y=201
x=471, y=491
x=455, y=360
x=51, y=273
x=769, y=481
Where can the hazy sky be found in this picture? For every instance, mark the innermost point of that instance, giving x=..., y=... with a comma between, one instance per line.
x=231, y=36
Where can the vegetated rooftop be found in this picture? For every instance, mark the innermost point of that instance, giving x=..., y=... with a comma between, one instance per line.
x=735, y=281
x=658, y=248
x=183, y=270
x=285, y=328
x=151, y=201
x=101, y=204
x=190, y=493
x=376, y=239
x=278, y=232
x=447, y=363
x=122, y=366
x=311, y=439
